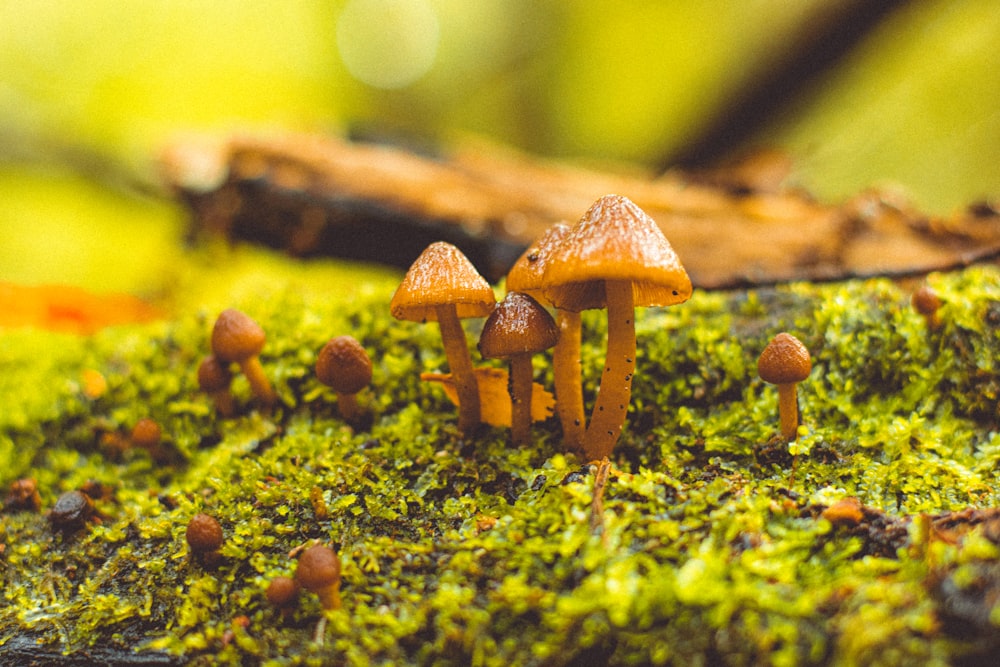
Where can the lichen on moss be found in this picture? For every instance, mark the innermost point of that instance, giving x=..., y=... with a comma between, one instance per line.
x=711, y=545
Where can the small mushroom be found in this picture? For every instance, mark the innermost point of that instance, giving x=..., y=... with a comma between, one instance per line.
x=282, y=593
x=344, y=366
x=146, y=434
x=23, y=495
x=526, y=276
x=72, y=510
x=785, y=362
x=238, y=339
x=442, y=285
x=204, y=537
x=318, y=571
x=516, y=329
x=927, y=302
x=615, y=257
x=214, y=379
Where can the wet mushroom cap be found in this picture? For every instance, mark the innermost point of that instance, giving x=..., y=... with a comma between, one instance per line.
x=518, y=325
x=204, y=534
x=614, y=240
x=440, y=276
x=344, y=365
x=925, y=300
x=528, y=271
x=281, y=591
x=785, y=360
x=72, y=510
x=236, y=337
x=318, y=568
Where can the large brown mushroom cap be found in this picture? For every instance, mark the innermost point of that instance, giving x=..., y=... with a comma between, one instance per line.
x=318, y=568
x=614, y=240
x=785, y=360
x=236, y=337
x=441, y=275
x=518, y=325
x=344, y=365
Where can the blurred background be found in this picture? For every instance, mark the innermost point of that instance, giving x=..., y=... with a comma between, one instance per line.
x=859, y=93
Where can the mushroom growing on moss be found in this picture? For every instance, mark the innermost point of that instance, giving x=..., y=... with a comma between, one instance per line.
x=516, y=329
x=526, y=276
x=214, y=379
x=785, y=362
x=318, y=571
x=615, y=257
x=204, y=537
x=442, y=285
x=344, y=366
x=236, y=338
x=925, y=300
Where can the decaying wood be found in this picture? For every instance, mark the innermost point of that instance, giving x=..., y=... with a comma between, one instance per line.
x=314, y=195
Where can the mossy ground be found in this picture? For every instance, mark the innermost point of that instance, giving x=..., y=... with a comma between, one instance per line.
x=462, y=550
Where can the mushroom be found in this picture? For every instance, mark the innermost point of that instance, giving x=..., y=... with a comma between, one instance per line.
x=926, y=302
x=204, y=537
x=318, y=571
x=442, y=285
x=146, y=434
x=615, y=257
x=516, y=329
x=23, y=495
x=214, y=379
x=526, y=276
x=72, y=510
x=344, y=366
x=785, y=362
x=238, y=339
x=281, y=593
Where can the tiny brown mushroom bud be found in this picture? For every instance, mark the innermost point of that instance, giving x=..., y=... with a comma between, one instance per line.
x=344, y=366
x=785, y=362
x=845, y=512
x=147, y=435
x=23, y=495
x=204, y=535
x=214, y=379
x=927, y=302
x=238, y=339
x=281, y=592
x=72, y=510
x=318, y=571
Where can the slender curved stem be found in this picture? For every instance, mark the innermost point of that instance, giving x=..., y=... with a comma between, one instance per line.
x=259, y=384
x=608, y=416
x=567, y=371
x=460, y=363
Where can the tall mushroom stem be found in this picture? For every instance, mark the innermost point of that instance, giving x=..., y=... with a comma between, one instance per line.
x=608, y=417
x=521, y=380
x=460, y=364
x=788, y=411
x=567, y=372
x=259, y=383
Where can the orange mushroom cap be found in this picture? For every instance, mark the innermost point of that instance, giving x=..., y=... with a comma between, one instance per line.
x=236, y=337
x=344, y=365
x=518, y=325
x=926, y=300
x=441, y=275
x=785, y=360
x=614, y=240
x=146, y=433
x=204, y=534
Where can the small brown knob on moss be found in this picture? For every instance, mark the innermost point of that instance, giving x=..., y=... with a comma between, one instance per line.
x=204, y=536
x=23, y=495
x=214, y=379
x=236, y=338
x=785, y=362
x=72, y=510
x=281, y=592
x=344, y=366
x=927, y=302
x=318, y=571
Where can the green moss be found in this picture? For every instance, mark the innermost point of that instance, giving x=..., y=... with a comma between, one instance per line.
x=463, y=551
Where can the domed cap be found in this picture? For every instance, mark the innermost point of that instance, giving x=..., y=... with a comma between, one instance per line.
x=318, y=567
x=441, y=275
x=614, y=240
x=213, y=376
x=785, y=360
x=518, y=325
x=203, y=533
x=236, y=337
x=344, y=365
x=526, y=274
